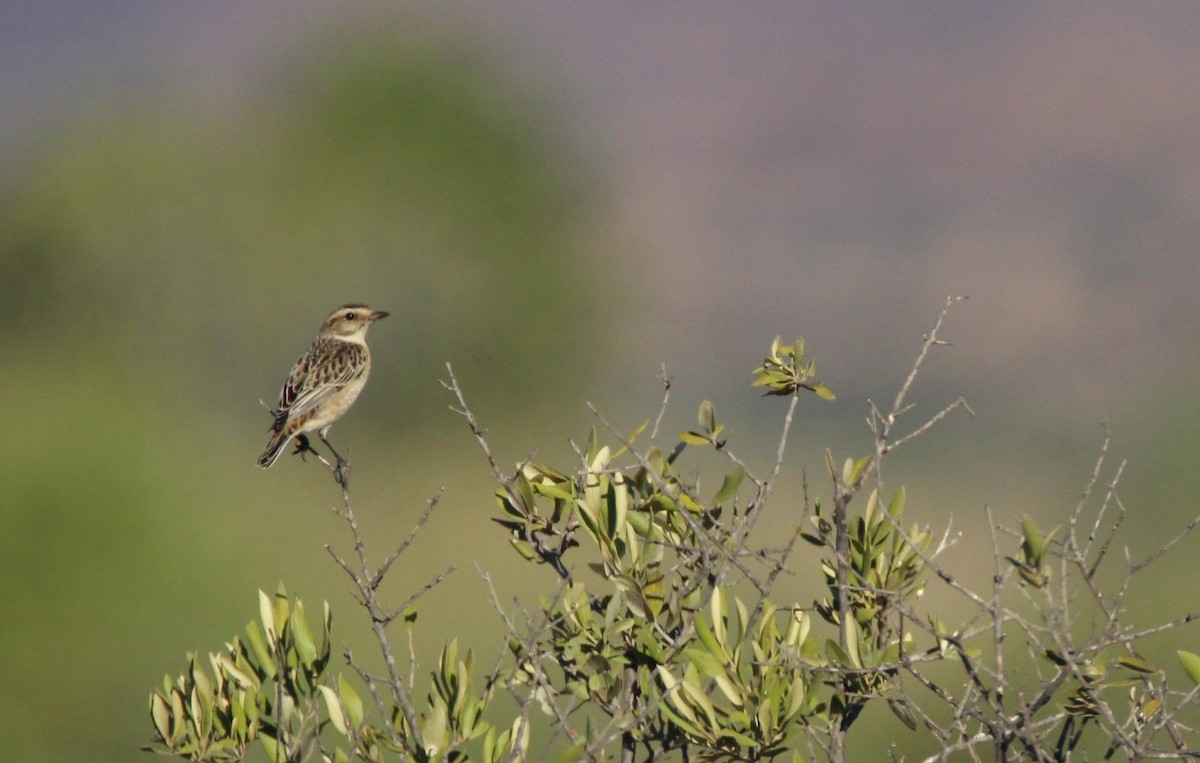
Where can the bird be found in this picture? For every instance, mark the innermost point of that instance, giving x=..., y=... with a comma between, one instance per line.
x=324, y=383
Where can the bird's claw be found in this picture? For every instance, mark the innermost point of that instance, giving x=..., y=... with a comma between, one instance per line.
x=302, y=447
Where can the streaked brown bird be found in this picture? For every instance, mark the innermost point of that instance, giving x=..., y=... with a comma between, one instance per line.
x=324, y=383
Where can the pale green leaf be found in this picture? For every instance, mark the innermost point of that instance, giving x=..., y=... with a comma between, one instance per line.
x=730, y=485
x=695, y=438
x=306, y=645
x=1136, y=663
x=266, y=613
x=350, y=698
x=1191, y=664
x=337, y=714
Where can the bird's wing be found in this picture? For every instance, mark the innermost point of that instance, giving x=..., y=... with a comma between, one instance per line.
x=324, y=369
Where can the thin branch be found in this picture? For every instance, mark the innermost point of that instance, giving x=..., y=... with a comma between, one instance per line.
x=933, y=420
x=1187, y=530
x=430, y=505
x=662, y=408
x=367, y=582
x=929, y=341
x=391, y=615
x=465, y=411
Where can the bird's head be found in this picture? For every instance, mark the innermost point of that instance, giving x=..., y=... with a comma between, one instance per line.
x=350, y=322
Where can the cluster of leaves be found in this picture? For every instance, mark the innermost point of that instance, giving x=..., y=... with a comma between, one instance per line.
x=273, y=689
x=455, y=716
x=653, y=644
x=262, y=689
x=881, y=574
x=763, y=674
x=1031, y=564
x=784, y=372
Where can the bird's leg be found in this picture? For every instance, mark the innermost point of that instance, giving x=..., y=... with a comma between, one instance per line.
x=343, y=466
x=303, y=446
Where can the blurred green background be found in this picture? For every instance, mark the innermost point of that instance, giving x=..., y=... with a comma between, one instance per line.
x=557, y=199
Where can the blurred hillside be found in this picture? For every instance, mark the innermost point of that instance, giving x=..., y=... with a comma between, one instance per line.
x=162, y=269
x=558, y=199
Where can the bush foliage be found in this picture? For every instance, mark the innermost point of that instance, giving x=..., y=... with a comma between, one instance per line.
x=657, y=635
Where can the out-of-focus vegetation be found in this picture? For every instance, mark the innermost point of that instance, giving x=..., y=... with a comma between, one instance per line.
x=162, y=266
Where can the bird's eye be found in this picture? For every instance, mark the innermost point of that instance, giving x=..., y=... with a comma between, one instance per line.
x=349, y=316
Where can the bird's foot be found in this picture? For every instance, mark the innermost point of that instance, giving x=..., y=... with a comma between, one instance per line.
x=303, y=446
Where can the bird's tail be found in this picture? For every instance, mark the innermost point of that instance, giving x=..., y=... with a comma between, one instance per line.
x=278, y=442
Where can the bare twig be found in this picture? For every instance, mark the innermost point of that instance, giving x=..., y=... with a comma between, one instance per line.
x=367, y=581
x=430, y=505
x=662, y=409
x=464, y=410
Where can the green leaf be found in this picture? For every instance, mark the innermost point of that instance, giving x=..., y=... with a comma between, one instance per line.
x=730, y=691
x=350, y=698
x=523, y=548
x=434, y=728
x=620, y=506
x=571, y=754
x=1136, y=664
x=640, y=522
x=592, y=445
x=681, y=716
x=302, y=636
x=707, y=664
x=730, y=485
x=266, y=613
x=337, y=714
x=838, y=656
x=716, y=609
x=852, y=470
x=695, y=438
x=161, y=714
x=633, y=436
x=1191, y=664
x=655, y=591
x=853, y=638
x=270, y=745
x=707, y=417
x=491, y=751
x=1033, y=537
x=773, y=378
x=633, y=595
x=601, y=461
x=697, y=697
x=671, y=690
x=710, y=640
x=797, y=630
x=283, y=610
x=590, y=518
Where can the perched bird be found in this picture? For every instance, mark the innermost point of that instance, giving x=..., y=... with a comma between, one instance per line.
x=324, y=383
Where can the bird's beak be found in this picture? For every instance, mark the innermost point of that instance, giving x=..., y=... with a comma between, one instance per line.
x=379, y=314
